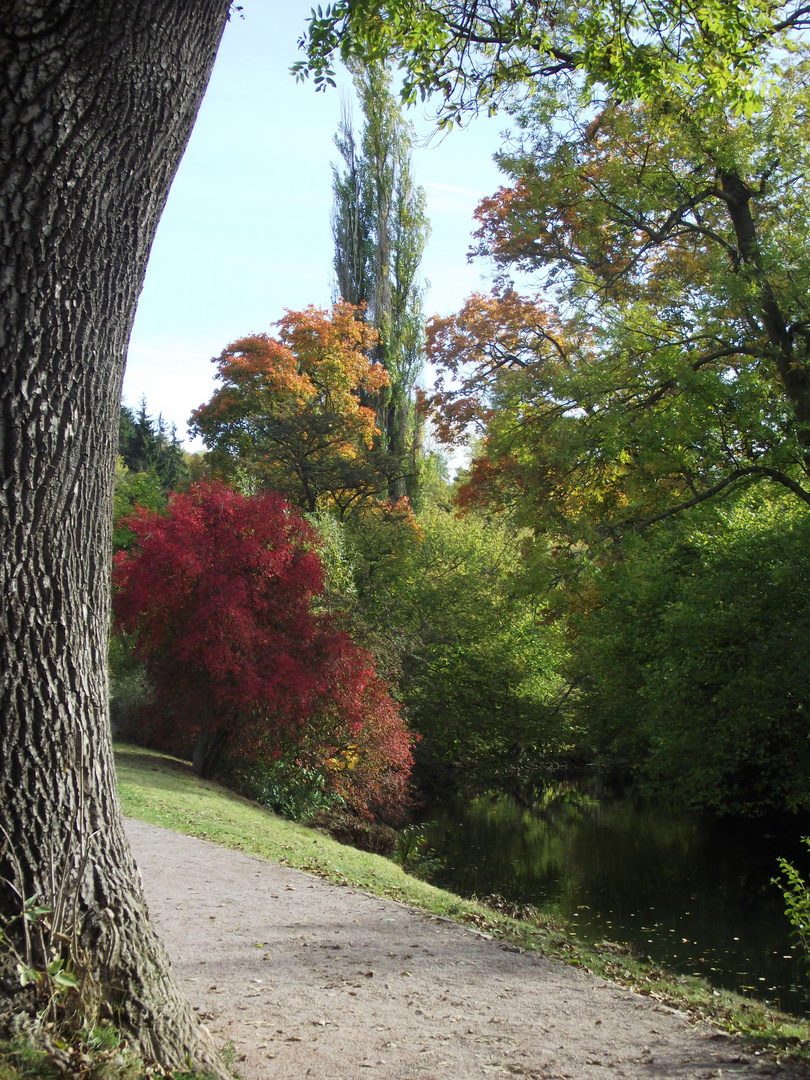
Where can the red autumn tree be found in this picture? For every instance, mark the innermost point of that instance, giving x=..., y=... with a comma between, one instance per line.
x=355, y=738
x=372, y=773
x=218, y=592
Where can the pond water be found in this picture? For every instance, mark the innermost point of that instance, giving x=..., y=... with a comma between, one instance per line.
x=690, y=891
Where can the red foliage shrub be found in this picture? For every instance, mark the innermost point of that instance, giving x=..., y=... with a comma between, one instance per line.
x=219, y=593
x=373, y=773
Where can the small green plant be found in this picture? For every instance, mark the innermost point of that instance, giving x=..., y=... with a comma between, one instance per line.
x=46, y=943
x=102, y=1053
x=414, y=853
x=285, y=787
x=56, y=970
x=796, y=892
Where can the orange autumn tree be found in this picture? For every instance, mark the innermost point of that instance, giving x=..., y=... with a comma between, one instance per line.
x=289, y=412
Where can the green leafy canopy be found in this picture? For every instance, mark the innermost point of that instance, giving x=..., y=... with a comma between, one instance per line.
x=473, y=54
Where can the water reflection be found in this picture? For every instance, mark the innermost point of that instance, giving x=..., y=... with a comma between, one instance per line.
x=688, y=891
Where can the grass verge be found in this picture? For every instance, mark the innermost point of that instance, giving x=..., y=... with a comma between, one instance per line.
x=164, y=791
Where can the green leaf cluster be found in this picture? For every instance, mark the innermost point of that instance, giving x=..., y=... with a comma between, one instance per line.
x=151, y=463
x=476, y=664
x=473, y=54
x=797, y=901
x=151, y=446
x=674, y=244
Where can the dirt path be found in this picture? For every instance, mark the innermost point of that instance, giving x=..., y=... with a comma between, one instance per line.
x=309, y=979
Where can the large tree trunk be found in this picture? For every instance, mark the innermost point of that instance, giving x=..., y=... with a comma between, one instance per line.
x=97, y=101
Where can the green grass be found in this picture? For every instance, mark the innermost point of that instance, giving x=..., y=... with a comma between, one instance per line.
x=101, y=1054
x=164, y=791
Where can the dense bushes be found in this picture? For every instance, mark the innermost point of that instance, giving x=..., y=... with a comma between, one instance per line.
x=691, y=659
x=444, y=605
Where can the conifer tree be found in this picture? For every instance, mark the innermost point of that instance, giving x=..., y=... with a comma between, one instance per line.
x=151, y=446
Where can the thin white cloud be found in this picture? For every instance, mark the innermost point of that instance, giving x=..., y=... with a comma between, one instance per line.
x=451, y=189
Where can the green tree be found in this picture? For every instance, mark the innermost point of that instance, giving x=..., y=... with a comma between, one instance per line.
x=146, y=444
x=380, y=229
x=666, y=369
x=475, y=53
x=151, y=464
x=476, y=663
x=676, y=366
x=133, y=489
x=688, y=658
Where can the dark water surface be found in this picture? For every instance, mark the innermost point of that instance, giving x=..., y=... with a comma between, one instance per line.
x=691, y=892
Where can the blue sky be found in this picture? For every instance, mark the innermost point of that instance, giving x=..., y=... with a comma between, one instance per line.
x=246, y=232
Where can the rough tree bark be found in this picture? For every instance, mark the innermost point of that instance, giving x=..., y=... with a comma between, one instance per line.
x=97, y=100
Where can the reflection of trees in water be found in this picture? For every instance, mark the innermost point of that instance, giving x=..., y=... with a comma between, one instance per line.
x=627, y=871
x=569, y=840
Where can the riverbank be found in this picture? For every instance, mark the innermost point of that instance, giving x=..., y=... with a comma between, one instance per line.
x=388, y=973
x=300, y=977
x=164, y=792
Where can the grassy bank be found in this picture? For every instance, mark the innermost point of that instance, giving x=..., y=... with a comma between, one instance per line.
x=164, y=791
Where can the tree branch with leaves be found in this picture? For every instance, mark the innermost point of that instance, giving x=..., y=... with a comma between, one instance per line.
x=672, y=246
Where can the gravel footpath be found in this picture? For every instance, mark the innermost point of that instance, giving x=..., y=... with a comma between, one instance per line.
x=309, y=979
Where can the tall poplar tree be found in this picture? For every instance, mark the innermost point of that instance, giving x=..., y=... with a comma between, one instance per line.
x=380, y=229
